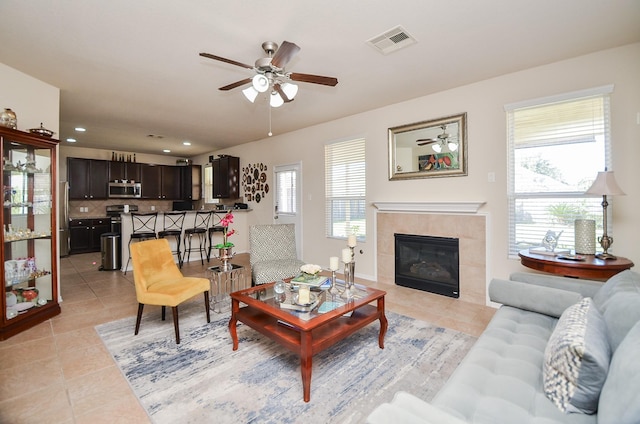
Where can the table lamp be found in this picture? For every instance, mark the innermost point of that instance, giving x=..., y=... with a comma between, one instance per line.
x=605, y=185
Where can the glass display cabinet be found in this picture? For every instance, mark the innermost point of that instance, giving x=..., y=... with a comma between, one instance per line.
x=29, y=237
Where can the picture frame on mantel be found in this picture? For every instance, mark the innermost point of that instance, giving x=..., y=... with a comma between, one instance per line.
x=427, y=149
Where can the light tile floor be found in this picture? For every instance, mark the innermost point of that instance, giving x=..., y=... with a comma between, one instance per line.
x=59, y=371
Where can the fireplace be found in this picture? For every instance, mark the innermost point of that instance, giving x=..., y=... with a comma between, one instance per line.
x=428, y=263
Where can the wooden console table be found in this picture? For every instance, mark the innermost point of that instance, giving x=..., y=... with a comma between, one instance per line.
x=590, y=268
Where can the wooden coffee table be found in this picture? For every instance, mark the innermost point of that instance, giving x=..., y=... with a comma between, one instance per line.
x=310, y=332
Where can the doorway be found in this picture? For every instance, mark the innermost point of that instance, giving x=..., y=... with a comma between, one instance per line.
x=287, y=199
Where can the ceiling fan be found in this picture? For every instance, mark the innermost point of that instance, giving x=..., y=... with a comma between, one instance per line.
x=271, y=75
x=442, y=140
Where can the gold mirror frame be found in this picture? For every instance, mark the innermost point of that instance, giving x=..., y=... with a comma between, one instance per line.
x=407, y=159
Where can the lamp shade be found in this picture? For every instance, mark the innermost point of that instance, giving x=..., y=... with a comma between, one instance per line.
x=290, y=90
x=605, y=185
x=437, y=148
x=260, y=83
x=275, y=100
x=250, y=93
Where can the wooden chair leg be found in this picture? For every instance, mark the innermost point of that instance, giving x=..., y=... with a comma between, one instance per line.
x=175, y=323
x=139, y=318
x=206, y=305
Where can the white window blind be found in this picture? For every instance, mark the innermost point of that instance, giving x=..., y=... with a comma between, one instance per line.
x=345, y=189
x=556, y=148
x=287, y=203
x=208, y=183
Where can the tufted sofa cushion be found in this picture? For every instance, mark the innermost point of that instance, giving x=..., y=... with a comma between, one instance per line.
x=500, y=380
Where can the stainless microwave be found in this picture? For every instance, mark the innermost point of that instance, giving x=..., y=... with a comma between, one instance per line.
x=125, y=190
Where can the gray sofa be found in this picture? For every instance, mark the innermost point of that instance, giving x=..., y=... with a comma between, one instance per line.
x=502, y=379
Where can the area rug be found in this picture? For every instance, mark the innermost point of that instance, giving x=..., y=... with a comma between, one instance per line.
x=202, y=380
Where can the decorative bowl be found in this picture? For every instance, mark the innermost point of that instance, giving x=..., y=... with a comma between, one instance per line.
x=42, y=131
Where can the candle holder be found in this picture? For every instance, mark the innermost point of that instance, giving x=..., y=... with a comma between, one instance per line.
x=349, y=277
x=333, y=290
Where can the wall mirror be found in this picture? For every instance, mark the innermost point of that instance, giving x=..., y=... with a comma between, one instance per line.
x=436, y=148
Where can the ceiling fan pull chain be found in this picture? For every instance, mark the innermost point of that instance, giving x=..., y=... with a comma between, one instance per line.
x=270, y=133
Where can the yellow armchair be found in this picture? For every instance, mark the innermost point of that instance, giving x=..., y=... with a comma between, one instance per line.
x=158, y=281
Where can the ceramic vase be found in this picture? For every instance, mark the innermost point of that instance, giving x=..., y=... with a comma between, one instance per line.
x=8, y=119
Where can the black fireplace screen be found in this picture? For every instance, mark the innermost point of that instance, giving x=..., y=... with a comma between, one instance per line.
x=428, y=263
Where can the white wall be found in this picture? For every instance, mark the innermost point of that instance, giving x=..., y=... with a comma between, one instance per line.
x=487, y=152
x=32, y=100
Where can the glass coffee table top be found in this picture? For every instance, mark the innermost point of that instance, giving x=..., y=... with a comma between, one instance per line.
x=321, y=300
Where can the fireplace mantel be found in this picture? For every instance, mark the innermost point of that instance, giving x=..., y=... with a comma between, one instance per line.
x=471, y=207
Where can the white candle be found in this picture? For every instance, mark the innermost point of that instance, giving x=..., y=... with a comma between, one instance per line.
x=303, y=295
x=333, y=263
x=346, y=255
x=351, y=240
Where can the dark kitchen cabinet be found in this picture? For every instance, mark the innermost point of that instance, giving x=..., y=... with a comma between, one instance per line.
x=191, y=182
x=85, y=234
x=160, y=182
x=88, y=178
x=226, y=177
x=124, y=171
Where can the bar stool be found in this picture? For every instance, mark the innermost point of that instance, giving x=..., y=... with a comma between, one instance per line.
x=143, y=227
x=200, y=226
x=215, y=228
x=173, y=223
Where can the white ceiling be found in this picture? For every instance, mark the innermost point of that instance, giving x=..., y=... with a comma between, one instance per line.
x=127, y=69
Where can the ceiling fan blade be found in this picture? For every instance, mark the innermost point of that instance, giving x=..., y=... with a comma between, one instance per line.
x=285, y=53
x=425, y=141
x=235, y=84
x=278, y=88
x=314, y=79
x=225, y=60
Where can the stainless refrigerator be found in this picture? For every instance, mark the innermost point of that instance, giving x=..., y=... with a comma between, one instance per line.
x=63, y=225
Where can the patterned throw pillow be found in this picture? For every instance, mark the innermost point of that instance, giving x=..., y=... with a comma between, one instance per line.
x=576, y=359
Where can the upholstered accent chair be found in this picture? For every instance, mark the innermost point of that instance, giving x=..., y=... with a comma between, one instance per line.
x=158, y=281
x=273, y=254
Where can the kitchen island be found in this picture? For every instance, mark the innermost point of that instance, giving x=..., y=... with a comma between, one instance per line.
x=240, y=238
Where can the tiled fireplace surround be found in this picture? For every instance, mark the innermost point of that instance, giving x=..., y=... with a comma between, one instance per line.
x=458, y=219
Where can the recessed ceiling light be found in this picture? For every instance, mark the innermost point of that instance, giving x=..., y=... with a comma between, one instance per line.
x=71, y=140
x=186, y=143
x=166, y=150
x=80, y=129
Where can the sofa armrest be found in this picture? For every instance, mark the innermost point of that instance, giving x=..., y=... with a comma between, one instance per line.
x=408, y=409
x=531, y=297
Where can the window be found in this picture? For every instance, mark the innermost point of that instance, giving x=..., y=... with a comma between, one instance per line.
x=345, y=189
x=556, y=148
x=286, y=200
x=208, y=184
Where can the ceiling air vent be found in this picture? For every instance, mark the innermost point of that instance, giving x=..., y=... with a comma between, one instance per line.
x=392, y=40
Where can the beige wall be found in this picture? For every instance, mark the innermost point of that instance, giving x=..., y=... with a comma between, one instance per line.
x=487, y=152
